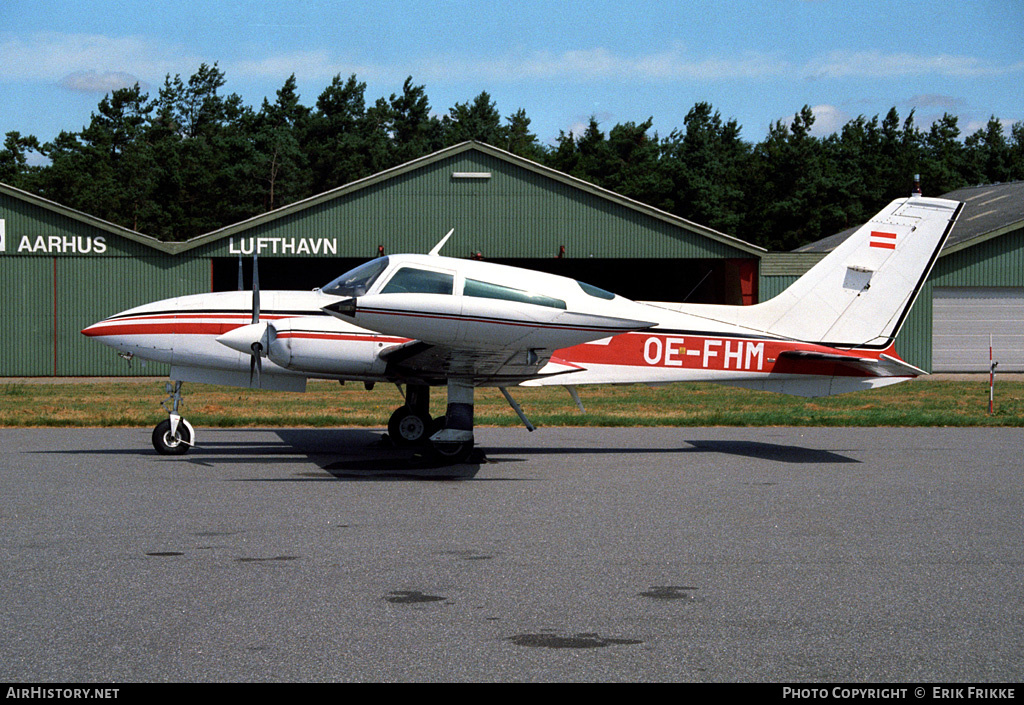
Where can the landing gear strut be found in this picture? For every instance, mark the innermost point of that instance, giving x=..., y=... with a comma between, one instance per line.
x=174, y=435
x=454, y=443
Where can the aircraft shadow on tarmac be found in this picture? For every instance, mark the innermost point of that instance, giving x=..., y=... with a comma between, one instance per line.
x=346, y=454
x=749, y=449
x=373, y=454
x=360, y=454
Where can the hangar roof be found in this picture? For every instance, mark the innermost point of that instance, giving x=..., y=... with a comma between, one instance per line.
x=399, y=171
x=85, y=218
x=989, y=211
x=412, y=166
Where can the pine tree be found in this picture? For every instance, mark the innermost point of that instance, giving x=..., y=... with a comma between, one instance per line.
x=14, y=166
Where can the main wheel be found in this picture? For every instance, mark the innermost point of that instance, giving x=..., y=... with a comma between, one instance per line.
x=168, y=444
x=407, y=428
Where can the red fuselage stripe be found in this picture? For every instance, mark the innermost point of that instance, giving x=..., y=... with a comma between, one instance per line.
x=150, y=326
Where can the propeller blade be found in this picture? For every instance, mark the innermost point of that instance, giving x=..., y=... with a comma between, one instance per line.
x=255, y=291
x=256, y=363
x=241, y=280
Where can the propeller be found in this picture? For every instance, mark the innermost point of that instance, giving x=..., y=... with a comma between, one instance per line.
x=256, y=361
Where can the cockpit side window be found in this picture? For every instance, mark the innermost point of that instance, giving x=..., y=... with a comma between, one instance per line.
x=356, y=282
x=409, y=280
x=486, y=290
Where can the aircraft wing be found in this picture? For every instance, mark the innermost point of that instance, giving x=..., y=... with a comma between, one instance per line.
x=421, y=362
x=490, y=341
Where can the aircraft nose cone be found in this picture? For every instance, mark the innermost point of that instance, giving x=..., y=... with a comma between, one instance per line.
x=96, y=329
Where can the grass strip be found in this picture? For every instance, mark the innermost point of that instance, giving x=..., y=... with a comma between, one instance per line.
x=136, y=403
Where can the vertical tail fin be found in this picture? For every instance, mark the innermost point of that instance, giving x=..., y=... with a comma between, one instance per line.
x=859, y=295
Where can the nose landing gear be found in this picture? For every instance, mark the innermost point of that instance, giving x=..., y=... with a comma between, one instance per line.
x=174, y=435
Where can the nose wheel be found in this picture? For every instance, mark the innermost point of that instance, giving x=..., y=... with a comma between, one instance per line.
x=168, y=442
x=174, y=435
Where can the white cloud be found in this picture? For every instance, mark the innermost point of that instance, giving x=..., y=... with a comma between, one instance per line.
x=312, y=65
x=75, y=59
x=671, y=64
x=875, y=64
x=80, y=60
x=934, y=100
x=99, y=81
x=975, y=125
x=827, y=120
x=592, y=64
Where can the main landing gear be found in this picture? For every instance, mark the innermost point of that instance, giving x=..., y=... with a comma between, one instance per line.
x=411, y=424
x=449, y=438
x=174, y=435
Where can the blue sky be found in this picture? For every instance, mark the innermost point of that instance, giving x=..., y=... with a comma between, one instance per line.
x=756, y=62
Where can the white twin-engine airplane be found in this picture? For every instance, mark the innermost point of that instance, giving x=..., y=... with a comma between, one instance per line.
x=428, y=320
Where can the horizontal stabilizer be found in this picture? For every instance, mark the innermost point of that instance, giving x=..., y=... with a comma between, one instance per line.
x=884, y=366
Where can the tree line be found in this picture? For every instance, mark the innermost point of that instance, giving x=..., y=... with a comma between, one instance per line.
x=193, y=159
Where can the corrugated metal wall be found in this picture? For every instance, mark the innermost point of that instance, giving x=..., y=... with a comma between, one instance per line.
x=90, y=288
x=60, y=273
x=56, y=297
x=27, y=343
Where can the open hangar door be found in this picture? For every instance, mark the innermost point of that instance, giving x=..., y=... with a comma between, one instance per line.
x=711, y=281
x=701, y=281
x=965, y=319
x=297, y=273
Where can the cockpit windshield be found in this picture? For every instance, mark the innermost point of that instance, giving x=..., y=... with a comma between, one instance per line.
x=356, y=282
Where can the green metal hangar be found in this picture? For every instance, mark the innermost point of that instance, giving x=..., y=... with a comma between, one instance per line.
x=62, y=270
x=975, y=292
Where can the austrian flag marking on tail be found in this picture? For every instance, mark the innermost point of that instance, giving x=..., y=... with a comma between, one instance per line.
x=885, y=241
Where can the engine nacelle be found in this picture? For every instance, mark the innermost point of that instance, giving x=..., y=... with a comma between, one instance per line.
x=310, y=345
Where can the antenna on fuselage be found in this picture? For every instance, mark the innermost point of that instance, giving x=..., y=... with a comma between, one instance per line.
x=437, y=248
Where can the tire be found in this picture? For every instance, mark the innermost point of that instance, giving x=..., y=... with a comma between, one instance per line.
x=166, y=444
x=407, y=428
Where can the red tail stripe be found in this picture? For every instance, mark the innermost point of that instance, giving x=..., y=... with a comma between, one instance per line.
x=884, y=243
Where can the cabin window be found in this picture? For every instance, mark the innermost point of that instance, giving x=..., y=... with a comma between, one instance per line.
x=356, y=282
x=485, y=290
x=409, y=280
x=594, y=291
